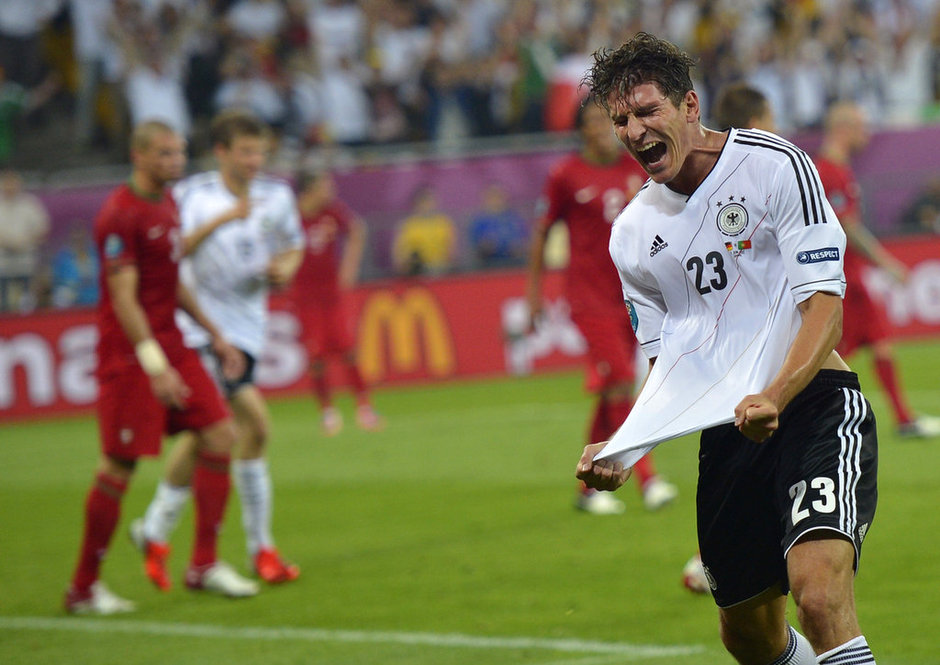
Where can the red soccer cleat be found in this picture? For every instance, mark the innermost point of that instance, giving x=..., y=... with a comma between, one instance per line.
x=274, y=570
x=155, y=556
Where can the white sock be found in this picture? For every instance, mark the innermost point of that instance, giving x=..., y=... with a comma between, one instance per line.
x=853, y=652
x=164, y=511
x=254, y=488
x=798, y=651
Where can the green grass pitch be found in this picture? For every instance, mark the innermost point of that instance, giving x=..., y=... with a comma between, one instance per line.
x=449, y=538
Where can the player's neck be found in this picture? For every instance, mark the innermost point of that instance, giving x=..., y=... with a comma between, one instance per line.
x=237, y=186
x=836, y=152
x=145, y=186
x=600, y=156
x=699, y=162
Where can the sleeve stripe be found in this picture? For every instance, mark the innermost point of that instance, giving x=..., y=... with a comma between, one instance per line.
x=807, y=164
x=801, y=167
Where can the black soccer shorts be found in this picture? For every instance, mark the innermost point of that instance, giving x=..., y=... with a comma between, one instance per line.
x=755, y=500
x=228, y=387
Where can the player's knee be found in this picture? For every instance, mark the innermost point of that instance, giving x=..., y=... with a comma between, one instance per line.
x=819, y=606
x=220, y=438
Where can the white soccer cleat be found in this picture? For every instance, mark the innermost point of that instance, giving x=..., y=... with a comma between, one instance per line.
x=658, y=493
x=600, y=503
x=98, y=600
x=922, y=427
x=222, y=579
x=331, y=421
x=693, y=575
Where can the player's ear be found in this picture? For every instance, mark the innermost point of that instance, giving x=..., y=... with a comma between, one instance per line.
x=693, y=112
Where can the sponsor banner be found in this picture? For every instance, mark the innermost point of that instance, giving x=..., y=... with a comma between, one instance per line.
x=407, y=331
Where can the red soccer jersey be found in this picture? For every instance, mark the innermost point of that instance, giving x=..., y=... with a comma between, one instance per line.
x=131, y=229
x=317, y=279
x=587, y=197
x=844, y=195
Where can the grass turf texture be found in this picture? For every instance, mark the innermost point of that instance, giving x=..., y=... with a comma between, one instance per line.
x=441, y=540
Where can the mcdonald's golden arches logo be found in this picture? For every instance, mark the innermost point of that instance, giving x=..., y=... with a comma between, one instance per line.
x=416, y=329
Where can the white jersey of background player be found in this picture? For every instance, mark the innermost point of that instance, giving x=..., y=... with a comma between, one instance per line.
x=758, y=230
x=228, y=270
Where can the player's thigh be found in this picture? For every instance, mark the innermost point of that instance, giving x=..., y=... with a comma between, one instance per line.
x=610, y=348
x=822, y=571
x=131, y=420
x=205, y=405
x=864, y=321
x=738, y=528
x=827, y=471
x=251, y=411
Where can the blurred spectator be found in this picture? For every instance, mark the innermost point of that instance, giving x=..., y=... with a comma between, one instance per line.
x=154, y=57
x=245, y=86
x=425, y=240
x=260, y=21
x=338, y=31
x=499, y=235
x=923, y=215
x=75, y=270
x=24, y=225
x=90, y=45
x=21, y=24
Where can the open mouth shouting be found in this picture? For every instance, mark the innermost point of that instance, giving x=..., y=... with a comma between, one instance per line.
x=651, y=154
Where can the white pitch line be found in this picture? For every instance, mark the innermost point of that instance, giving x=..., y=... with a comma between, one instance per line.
x=456, y=640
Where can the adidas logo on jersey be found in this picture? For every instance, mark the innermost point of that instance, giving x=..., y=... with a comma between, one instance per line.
x=658, y=245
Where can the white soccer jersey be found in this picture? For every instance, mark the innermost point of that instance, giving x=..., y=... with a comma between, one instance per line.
x=227, y=271
x=713, y=280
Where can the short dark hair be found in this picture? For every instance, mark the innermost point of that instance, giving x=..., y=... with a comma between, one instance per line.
x=236, y=122
x=737, y=105
x=643, y=59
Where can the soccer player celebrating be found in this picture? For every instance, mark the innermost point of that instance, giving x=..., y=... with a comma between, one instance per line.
x=318, y=294
x=150, y=383
x=747, y=283
x=241, y=236
x=865, y=321
x=587, y=191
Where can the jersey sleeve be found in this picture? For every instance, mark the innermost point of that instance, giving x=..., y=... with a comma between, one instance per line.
x=117, y=237
x=551, y=205
x=809, y=236
x=289, y=230
x=642, y=298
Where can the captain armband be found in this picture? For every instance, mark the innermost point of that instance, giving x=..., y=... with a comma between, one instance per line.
x=151, y=357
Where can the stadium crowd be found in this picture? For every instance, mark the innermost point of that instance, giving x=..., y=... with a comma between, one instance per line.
x=384, y=71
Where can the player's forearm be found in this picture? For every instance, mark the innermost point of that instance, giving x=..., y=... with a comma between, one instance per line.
x=536, y=264
x=819, y=333
x=191, y=241
x=291, y=260
x=352, y=254
x=187, y=302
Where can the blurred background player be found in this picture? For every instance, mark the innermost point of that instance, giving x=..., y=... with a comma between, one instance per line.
x=586, y=191
x=865, y=320
x=740, y=105
x=241, y=237
x=318, y=293
x=150, y=383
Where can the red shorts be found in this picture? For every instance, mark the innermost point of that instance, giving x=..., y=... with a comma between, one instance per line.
x=611, y=354
x=327, y=329
x=864, y=320
x=132, y=421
